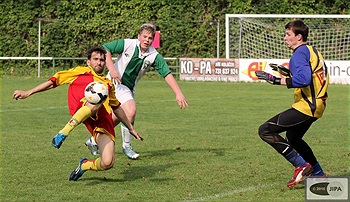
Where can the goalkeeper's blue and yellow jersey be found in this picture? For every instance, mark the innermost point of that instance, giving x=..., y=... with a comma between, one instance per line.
x=79, y=78
x=311, y=79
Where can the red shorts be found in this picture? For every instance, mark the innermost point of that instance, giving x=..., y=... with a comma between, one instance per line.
x=102, y=122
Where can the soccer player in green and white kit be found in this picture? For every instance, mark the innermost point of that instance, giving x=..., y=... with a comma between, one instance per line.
x=135, y=57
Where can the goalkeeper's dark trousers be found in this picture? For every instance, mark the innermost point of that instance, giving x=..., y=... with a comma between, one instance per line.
x=295, y=124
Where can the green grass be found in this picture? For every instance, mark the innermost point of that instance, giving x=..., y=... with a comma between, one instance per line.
x=208, y=152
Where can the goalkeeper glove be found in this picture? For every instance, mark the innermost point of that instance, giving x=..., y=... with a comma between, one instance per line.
x=58, y=139
x=281, y=69
x=268, y=77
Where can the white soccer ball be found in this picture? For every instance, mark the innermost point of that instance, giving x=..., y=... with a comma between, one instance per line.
x=96, y=93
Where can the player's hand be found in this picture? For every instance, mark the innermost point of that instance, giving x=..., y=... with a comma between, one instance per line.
x=268, y=77
x=19, y=94
x=115, y=77
x=182, y=102
x=281, y=69
x=134, y=133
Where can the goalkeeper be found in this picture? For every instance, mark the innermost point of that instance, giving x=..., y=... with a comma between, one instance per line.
x=309, y=78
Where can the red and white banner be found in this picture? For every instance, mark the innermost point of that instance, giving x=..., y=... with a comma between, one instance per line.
x=339, y=71
x=217, y=69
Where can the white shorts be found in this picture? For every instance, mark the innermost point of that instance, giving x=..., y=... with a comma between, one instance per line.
x=123, y=93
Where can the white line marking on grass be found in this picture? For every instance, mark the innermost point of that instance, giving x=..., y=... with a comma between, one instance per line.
x=31, y=109
x=140, y=102
x=230, y=193
x=192, y=99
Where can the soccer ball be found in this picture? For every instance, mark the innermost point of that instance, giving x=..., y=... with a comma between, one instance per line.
x=96, y=93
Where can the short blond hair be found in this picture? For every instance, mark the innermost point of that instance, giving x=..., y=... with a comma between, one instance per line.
x=149, y=28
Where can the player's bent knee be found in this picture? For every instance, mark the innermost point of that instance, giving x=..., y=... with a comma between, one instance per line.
x=264, y=132
x=263, y=129
x=106, y=165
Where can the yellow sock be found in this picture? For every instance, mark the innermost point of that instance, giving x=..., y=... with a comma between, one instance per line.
x=92, y=165
x=81, y=115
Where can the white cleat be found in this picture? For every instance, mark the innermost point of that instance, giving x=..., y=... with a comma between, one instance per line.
x=130, y=153
x=92, y=147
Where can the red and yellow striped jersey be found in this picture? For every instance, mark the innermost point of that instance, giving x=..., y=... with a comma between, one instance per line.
x=79, y=78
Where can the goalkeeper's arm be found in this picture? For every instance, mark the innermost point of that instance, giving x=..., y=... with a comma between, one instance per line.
x=283, y=81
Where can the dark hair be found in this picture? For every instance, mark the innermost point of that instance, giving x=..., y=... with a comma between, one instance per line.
x=98, y=49
x=298, y=27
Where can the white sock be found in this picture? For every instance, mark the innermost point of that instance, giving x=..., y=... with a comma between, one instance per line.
x=92, y=139
x=126, y=136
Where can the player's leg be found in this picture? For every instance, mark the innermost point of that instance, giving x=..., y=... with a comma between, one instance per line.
x=269, y=132
x=78, y=117
x=294, y=136
x=105, y=162
x=126, y=98
x=130, y=110
x=102, y=129
x=106, y=145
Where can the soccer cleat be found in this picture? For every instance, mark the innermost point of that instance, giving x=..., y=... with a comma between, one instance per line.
x=78, y=172
x=130, y=153
x=58, y=139
x=92, y=147
x=299, y=174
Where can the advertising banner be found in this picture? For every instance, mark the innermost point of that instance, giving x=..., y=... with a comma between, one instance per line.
x=209, y=69
x=339, y=71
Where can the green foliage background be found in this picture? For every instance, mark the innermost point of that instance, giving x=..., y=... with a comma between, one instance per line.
x=188, y=28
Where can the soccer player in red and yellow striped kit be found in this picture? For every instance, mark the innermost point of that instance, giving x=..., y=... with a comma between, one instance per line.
x=97, y=118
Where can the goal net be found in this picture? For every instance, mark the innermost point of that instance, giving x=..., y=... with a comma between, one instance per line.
x=261, y=36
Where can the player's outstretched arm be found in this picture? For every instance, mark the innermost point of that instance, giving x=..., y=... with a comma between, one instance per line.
x=119, y=112
x=180, y=98
x=20, y=94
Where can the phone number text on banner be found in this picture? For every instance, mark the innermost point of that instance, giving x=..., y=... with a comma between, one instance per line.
x=209, y=69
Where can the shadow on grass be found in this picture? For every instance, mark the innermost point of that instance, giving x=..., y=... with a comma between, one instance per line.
x=149, y=172
x=133, y=173
x=168, y=152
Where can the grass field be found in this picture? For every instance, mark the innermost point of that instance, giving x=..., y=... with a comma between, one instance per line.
x=208, y=152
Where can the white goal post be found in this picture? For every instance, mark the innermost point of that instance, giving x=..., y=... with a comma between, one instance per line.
x=262, y=35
